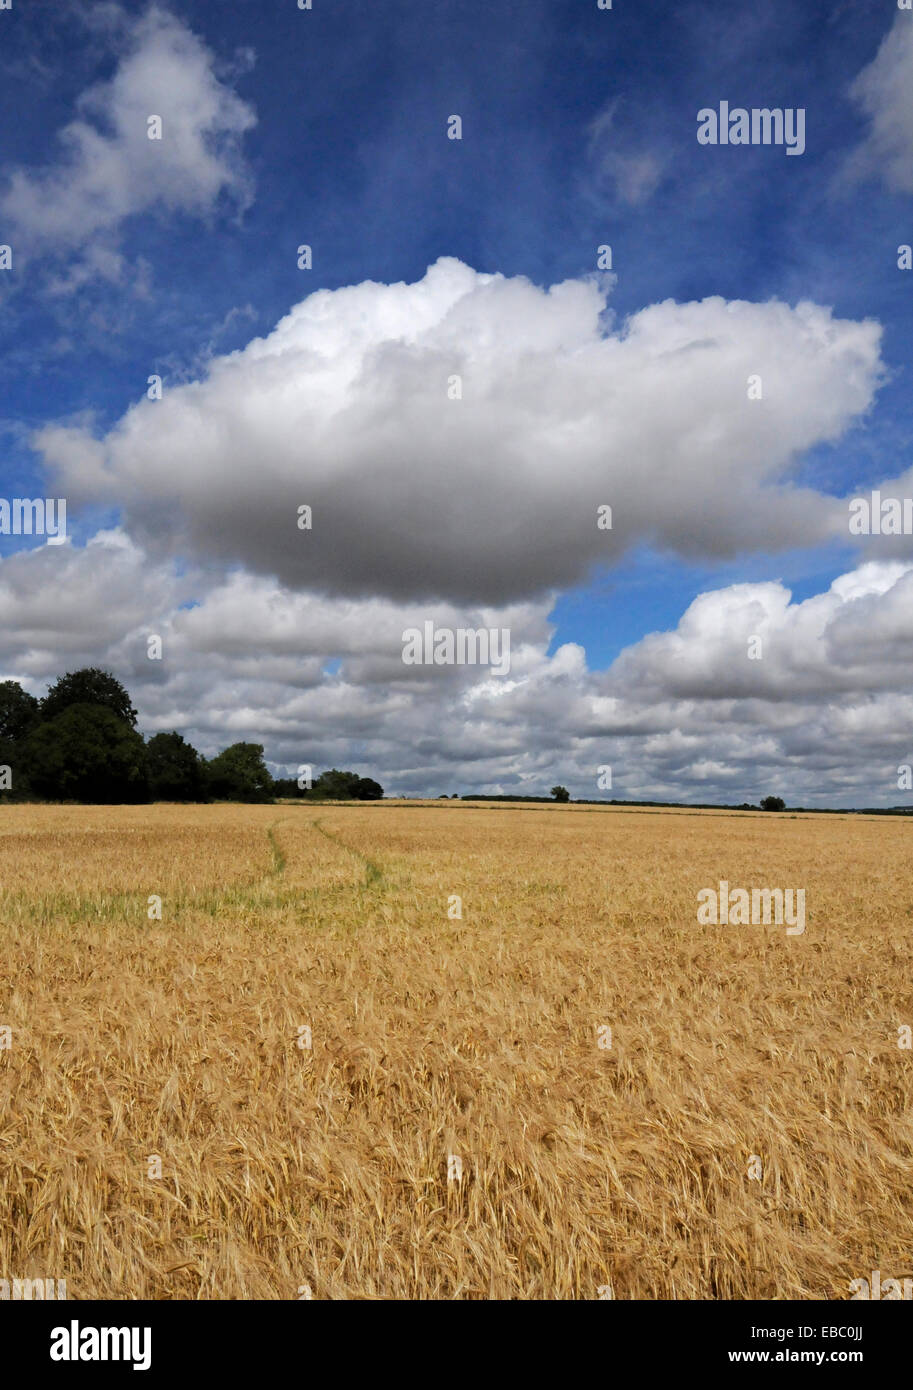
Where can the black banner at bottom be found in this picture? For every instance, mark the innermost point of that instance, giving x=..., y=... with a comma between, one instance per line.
x=233, y=1339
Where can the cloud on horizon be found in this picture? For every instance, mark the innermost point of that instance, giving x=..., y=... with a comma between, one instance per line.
x=823, y=717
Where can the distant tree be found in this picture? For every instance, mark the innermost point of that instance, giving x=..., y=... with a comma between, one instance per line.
x=18, y=715
x=14, y=778
x=89, y=686
x=773, y=803
x=239, y=773
x=18, y=711
x=561, y=794
x=287, y=786
x=366, y=789
x=339, y=786
x=346, y=786
x=175, y=769
x=87, y=754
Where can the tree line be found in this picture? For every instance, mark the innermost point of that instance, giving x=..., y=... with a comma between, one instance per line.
x=80, y=743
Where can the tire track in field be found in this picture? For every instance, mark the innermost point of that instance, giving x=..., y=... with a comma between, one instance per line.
x=279, y=860
x=374, y=874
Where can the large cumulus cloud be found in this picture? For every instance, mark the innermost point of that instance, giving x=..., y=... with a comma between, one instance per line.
x=493, y=497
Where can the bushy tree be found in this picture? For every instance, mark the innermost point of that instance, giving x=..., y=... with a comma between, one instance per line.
x=773, y=803
x=18, y=715
x=80, y=743
x=339, y=786
x=18, y=711
x=346, y=786
x=175, y=769
x=89, y=686
x=14, y=769
x=86, y=753
x=335, y=785
x=561, y=794
x=239, y=773
x=287, y=786
x=366, y=789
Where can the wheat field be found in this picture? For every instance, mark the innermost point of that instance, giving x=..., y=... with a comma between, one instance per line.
x=458, y=1126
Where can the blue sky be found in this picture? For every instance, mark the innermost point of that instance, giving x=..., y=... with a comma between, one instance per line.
x=578, y=129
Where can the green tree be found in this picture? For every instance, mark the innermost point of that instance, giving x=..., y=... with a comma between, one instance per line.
x=14, y=777
x=287, y=787
x=18, y=715
x=239, y=773
x=18, y=711
x=561, y=794
x=339, y=786
x=344, y=786
x=175, y=769
x=366, y=789
x=87, y=754
x=88, y=686
x=773, y=803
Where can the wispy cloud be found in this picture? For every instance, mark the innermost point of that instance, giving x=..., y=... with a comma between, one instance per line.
x=621, y=161
x=884, y=91
x=109, y=169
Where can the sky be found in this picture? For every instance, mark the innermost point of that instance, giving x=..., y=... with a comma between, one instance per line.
x=457, y=377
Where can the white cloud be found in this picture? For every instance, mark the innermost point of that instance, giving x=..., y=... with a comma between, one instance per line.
x=824, y=717
x=494, y=497
x=61, y=605
x=857, y=637
x=108, y=168
x=884, y=91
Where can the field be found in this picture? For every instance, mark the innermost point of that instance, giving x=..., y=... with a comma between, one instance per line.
x=331, y=1170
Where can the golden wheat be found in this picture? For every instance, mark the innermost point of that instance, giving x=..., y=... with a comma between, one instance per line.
x=435, y=1038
